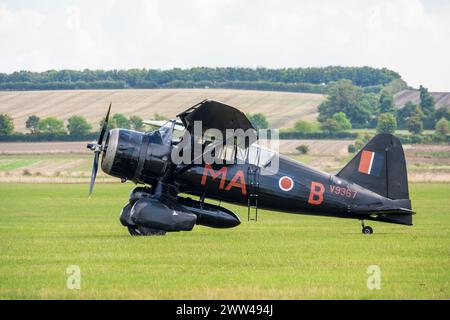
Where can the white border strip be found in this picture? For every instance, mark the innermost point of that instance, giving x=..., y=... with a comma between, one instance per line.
x=371, y=162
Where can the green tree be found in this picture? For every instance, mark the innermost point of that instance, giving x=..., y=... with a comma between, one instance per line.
x=408, y=111
x=111, y=124
x=331, y=126
x=121, y=121
x=136, y=123
x=342, y=120
x=443, y=112
x=6, y=124
x=428, y=107
x=78, y=125
x=442, y=127
x=303, y=149
x=337, y=123
x=32, y=123
x=344, y=97
x=370, y=104
x=386, y=103
x=51, y=125
x=415, y=124
x=351, y=148
x=426, y=101
x=395, y=86
x=386, y=123
x=303, y=126
x=258, y=120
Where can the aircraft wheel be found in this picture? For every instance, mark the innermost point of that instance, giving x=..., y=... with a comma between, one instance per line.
x=367, y=230
x=134, y=231
x=144, y=231
x=150, y=231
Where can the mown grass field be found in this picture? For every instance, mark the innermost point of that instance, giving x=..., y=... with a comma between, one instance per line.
x=44, y=228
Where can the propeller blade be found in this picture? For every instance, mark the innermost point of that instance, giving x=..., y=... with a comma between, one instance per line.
x=105, y=126
x=94, y=172
x=97, y=148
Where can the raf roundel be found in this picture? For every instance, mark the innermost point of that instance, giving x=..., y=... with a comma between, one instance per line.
x=286, y=183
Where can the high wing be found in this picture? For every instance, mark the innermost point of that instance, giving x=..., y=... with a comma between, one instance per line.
x=215, y=115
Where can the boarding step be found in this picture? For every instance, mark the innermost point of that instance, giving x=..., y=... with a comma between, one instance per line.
x=252, y=206
x=253, y=189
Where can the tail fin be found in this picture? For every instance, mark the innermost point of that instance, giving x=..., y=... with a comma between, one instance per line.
x=380, y=167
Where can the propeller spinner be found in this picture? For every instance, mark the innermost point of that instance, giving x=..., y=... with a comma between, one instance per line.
x=97, y=147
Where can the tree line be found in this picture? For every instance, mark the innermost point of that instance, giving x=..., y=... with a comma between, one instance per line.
x=314, y=80
x=363, y=110
x=76, y=125
x=347, y=107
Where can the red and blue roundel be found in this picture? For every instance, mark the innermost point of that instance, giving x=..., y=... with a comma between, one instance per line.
x=286, y=183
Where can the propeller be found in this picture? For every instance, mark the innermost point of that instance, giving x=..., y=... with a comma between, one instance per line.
x=97, y=147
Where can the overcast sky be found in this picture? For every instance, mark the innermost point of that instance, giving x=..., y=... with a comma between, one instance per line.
x=409, y=36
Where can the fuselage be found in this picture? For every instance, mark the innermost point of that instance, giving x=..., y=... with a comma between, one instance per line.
x=293, y=188
x=250, y=180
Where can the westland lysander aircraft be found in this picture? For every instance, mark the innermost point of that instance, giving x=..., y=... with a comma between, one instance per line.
x=372, y=186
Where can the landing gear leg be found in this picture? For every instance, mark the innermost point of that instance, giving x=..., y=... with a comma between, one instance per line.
x=366, y=229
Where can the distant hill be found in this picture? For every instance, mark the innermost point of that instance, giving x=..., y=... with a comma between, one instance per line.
x=442, y=98
x=282, y=109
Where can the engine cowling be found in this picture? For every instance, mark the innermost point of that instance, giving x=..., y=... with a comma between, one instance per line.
x=136, y=156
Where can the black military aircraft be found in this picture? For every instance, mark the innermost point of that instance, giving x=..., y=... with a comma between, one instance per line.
x=372, y=186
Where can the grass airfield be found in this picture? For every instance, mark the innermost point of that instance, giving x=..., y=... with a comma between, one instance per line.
x=47, y=227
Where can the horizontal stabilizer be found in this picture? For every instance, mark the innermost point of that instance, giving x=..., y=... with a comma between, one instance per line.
x=405, y=219
x=402, y=206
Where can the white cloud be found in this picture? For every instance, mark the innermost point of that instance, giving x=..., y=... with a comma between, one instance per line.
x=403, y=35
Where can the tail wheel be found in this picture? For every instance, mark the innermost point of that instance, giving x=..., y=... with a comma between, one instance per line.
x=144, y=231
x=367, y=230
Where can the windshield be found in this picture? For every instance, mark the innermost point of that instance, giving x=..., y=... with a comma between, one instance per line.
x=166, y=132
x=256, y=155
